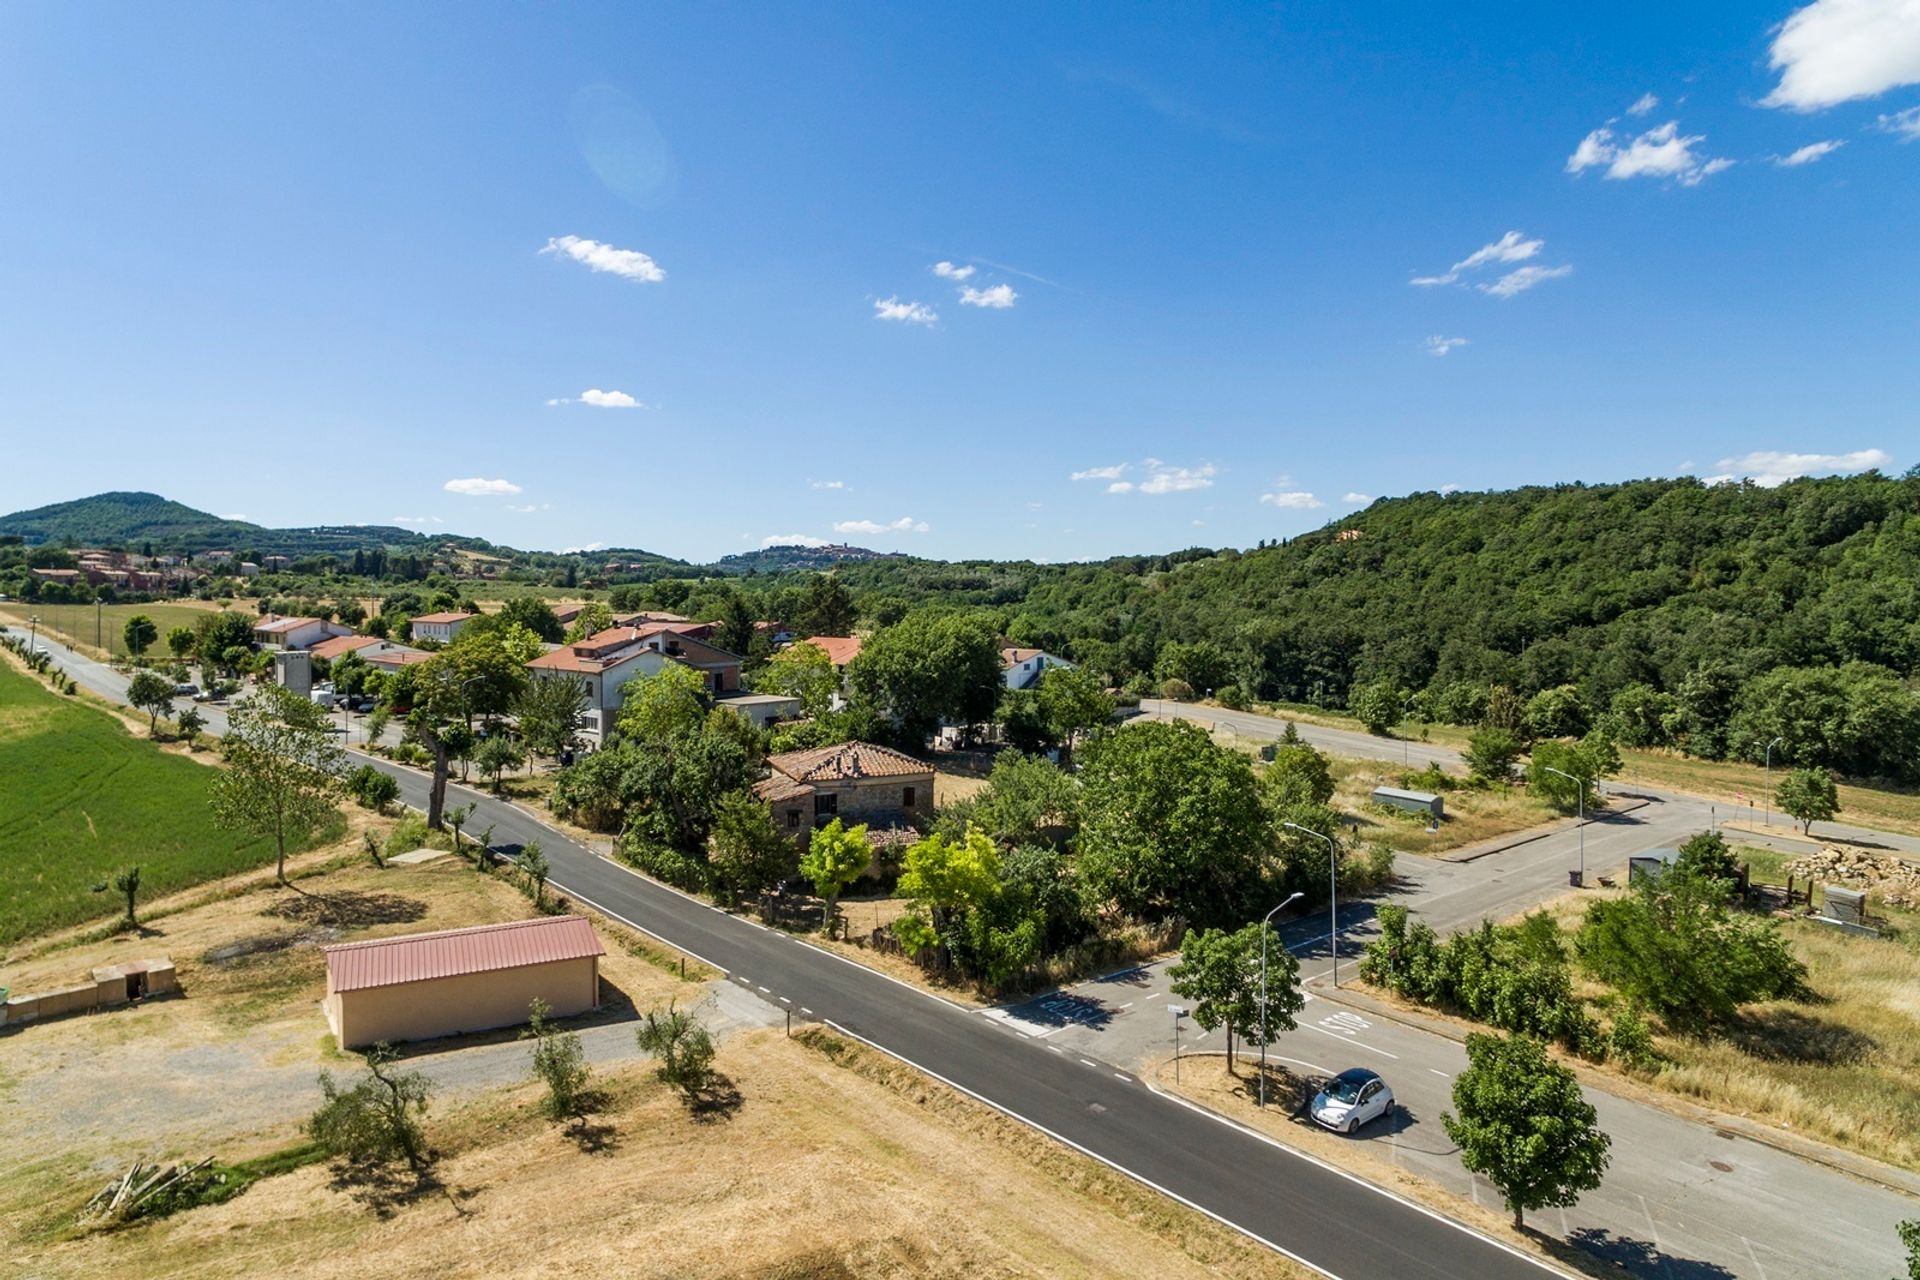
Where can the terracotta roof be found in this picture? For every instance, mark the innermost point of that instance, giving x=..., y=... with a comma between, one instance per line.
x=780, y=787
x=420, y=957
x=840, y=650
x=846, y=762
x=339, y=645
x=1012, y=657
x=278, y=625
x=399, y=657
x=452, y=616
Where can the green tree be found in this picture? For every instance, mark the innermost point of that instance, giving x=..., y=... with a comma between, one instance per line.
x=1522, y=1123
x=826, y=608
x=1910, y=1237
x=549, y=712
x=1491, y=752
x=180, y=641
x=665, y=705
x=559, y=1061
x=942, y=876
x=592, y=620
x=1377, y=705
x=682, y=1048
x=1589, y=761
x=1559, y=712
x=372, y=789
x=927, y=668
x=1297, y=775
x=532, y=864
x=139, y=633
x=1201, y=665
x=1025, y=799
x=189, y=723
x=283, y=769
x=1220, y=972
x=801, y=671
x=497, y=754
x=1073, y=701
x=217, y=635
x=1808, y=796
x=836, y=856
x=1174, y=823
x=127, y=884
x=533, y=613
x=152, y=693
x=747, y=852
x=376, y=1121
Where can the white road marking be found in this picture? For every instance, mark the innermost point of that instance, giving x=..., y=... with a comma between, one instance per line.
x=1056, y=1048
x=1437, y=1071
x=1755, y=1257
x=784, y=1000
x=806, y=1010
x=1123, y=1076
x=1088, y=1062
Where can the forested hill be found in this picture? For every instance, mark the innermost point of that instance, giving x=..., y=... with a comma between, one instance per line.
x=135, y=519
x=1670, y=587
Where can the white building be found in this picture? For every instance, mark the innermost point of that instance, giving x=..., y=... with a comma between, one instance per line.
x=1024, y=667
x=295, y=633
x=440, y=626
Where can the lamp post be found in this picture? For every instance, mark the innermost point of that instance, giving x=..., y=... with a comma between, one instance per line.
x=1333, y=893
x=1582, y=823
x=1264, y=930
x=1770, y=746
x=33, y=632
x=1406, y=741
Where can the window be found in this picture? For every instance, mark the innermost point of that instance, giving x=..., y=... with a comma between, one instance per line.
x=793, y=817
x=826, y=805
x=906, y=797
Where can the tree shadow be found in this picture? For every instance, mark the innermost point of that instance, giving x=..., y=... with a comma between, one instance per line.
x=593, y=1137
x=386, y=1189
x=1640, y=1257
x=348, y=908
x=716, y=1100
x=1788, y=1035
x=1064, y=1009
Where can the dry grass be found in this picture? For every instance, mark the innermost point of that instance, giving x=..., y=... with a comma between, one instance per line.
x=1472, y=816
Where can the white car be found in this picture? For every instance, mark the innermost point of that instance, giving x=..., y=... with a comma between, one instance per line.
x=1351, y=1099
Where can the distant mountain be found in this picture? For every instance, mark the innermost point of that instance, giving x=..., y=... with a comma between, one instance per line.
x=132, y=519
x=780, y=559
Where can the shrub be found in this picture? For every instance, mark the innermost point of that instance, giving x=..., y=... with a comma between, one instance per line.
x=1630, y=1040
x=664, y=862
x=1491, y=752
x=372, y=789
x=1176, y=690
x=375, y=1122
x=682, y=1047
x=408, y=834
x=1230, y=696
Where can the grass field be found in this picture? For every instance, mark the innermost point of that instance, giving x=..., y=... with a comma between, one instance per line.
x=80, y=798
x=80, y=624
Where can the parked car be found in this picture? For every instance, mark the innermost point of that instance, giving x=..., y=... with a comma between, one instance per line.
x=360, y=704
x=187, y=691
x=1351, y=1099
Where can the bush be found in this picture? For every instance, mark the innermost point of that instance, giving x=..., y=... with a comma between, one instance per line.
x=375, y=1122
x=1176, y=690
x=408, y=834
x=664, y=862
x=1630, y=1040
x=372, y=789
x=1231, y=697
x=1491, y=752
x=681, y=1046
x=1431, y=778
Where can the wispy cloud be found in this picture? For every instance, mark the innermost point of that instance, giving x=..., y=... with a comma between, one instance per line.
x=950, y=271
x=588, y=546
x=1113, y=472
x=1643, y=104
x=601, y=399
x=1835, y=51
x=1511, y=247
x=998, y=298
x=1292, y=500
x=1660, y=152
x=1904, y=125
x=1439, y=346
x=905, y=524
x=1161, y=101
x=628, y=264
x=826, y=484
x=529, y=508
x=1162, y=478
x=1358, y=499
x=904, y=312
x=475, y=487
x=1449, y=488
x=1769, y=468
x=1808, y=154
x=793, y=540
x=1518, y=282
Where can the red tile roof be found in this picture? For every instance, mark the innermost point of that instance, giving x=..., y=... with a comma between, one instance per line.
x=780, y=787
x=420, y=957
x=453, y=616
x=1011, y=657
x=846, y=762
x=341, y=645
x=277, y=625
x=399, y=657
x=840, y=650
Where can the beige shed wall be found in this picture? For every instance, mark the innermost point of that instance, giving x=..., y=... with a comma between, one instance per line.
x=469, y=1002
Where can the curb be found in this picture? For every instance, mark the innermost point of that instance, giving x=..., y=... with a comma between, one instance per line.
x=1553, y=830
x=1863, y=1168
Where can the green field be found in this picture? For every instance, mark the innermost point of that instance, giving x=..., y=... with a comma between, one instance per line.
x=81, y=623
x=80, y=798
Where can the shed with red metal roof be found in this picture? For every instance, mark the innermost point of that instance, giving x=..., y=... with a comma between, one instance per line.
x=424, y=985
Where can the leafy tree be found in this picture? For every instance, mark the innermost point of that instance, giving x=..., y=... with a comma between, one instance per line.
x=372, y=789
x=549, y=711
x=534, y=868
x=1808, y=796
x=376, y=1122
x=283, y=769
x=1022, y=724
x=593, y=619
x=139, y=633
x=1559, y=712
x=1706, y=854
x=826, y=608
x=1910, y=1237
x=927, y=668
x=1588, y=761
x=1491, y=752
x=152, y=693
x=943, y=876
x=682, y=1047
x=662, y=706
x=669, y=791
x=1297, y=775
x=498, y=754
x=836, y=856
x=1201, y=665
x=559, y=1061
x=189, y=722
x=1377, y=705
x=127, y=884
x=535, y=614
x=1025, y=798
x=1174, y=823
x=747, y=852
x=1073, y=701
x=217, y=635
x=1522, y=1123
x=801, y=671
x=180, y=641
x=1220, y=972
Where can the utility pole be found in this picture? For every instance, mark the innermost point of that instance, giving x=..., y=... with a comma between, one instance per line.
x=1770, y=746
x=1178, y=1011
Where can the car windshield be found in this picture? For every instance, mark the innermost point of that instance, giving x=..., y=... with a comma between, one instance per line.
x=1345, y=1088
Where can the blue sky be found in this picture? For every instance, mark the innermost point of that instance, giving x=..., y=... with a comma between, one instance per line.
x=363, y=264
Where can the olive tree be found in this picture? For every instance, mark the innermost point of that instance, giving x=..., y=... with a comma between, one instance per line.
x=283, y=769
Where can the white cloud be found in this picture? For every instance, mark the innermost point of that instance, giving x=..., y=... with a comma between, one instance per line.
x=1511, y=247
x=1660, y=152
x=1439, y=346
x=1449, y=488
x=601, y=399
x=416, y=520
x=529, y=508
x=948, y=271
x=1113, y=472
x=238, y=515
x=628, y=264
x=905, y=312
x=1295, y=500
x=1904, y=124
x=826, y=484
x=1768, y=468
x=590, y=546
x=997, y=298
x=905, y=524
x=475, y=487
x=793, y=540
x=1520, y=280
x=1643, y=104
x=1162, y=478
x=1807, y=154
x=1358, y=499
x=1120, y=486
x=1835, y=51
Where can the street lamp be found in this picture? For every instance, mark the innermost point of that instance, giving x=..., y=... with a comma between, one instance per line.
x=1406, y=740
x=1263, y=991
x=1582, y=824
x=1333, y=893
x=1770, y=746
